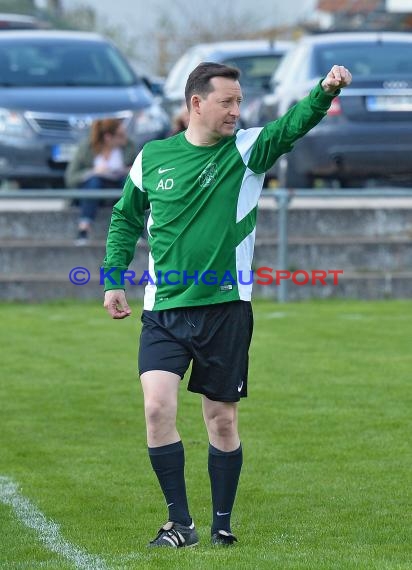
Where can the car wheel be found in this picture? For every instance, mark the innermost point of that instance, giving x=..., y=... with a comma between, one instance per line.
x=289, y=177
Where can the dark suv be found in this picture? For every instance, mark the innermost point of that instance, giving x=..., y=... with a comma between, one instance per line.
x=53, y=84
x=367, y=133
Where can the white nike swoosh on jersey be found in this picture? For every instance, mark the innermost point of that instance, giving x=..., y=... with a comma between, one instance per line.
x=222, y=514
x=239, y=388
x=163, y=170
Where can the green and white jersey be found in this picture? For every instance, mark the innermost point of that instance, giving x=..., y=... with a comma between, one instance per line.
x=203, y=206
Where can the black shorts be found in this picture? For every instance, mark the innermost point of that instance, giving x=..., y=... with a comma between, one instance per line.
x=215, y=337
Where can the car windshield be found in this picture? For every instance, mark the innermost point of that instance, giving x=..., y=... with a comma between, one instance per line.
x=256, y=70
x=363, y=59
x=177, y=77
x=71, y=64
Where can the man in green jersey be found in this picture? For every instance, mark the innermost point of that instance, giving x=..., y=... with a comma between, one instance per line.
x=202, y=188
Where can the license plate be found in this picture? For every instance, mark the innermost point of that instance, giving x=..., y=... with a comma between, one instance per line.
x=63, y=152
x=389, y=103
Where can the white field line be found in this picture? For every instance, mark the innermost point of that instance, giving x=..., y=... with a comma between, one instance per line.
x=48, y=531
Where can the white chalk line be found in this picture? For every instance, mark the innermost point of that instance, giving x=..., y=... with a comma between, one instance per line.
x=48, y=531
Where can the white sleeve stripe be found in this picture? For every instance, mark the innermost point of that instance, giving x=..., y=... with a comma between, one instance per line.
x=245, y=140
x=249, y=193
x=136, y=172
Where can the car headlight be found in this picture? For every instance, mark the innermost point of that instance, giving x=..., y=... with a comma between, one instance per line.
x=151, y=120
x=14, y=124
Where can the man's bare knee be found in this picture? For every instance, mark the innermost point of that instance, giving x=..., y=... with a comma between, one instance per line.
x=221, y=424
x=156, y=411
x=160, y=403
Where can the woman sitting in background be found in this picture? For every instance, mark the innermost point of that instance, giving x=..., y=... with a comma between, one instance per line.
x=101, y=161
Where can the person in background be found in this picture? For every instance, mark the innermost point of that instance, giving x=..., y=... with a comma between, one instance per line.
x=101, y=161
x=180, y=120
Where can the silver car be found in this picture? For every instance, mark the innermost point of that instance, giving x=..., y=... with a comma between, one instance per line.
x=53, y=85
x=257, y=61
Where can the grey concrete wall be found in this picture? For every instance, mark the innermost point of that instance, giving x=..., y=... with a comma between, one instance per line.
x=373, y=246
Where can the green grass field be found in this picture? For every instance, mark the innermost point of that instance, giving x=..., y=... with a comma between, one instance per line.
x=326, y=433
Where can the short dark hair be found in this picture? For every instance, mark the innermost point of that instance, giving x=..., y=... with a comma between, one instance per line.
x=199, y=80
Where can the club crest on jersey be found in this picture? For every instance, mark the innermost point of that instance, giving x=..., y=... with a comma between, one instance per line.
x=208, y=176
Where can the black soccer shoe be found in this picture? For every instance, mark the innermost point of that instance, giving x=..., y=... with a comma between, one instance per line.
x=223, y=538
x=175, y=535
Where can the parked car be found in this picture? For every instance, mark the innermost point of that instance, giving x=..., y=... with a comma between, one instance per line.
x=155, y=84
x=21, y=22
x=367, y=132
x=53, y=84
x=257, y=61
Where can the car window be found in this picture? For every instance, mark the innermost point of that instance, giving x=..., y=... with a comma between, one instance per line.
x=56, y=64
x=256, y=70
x=378, y=58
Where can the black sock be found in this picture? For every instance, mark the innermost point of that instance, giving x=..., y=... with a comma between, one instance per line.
x=168, y=462
x=224, y=472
